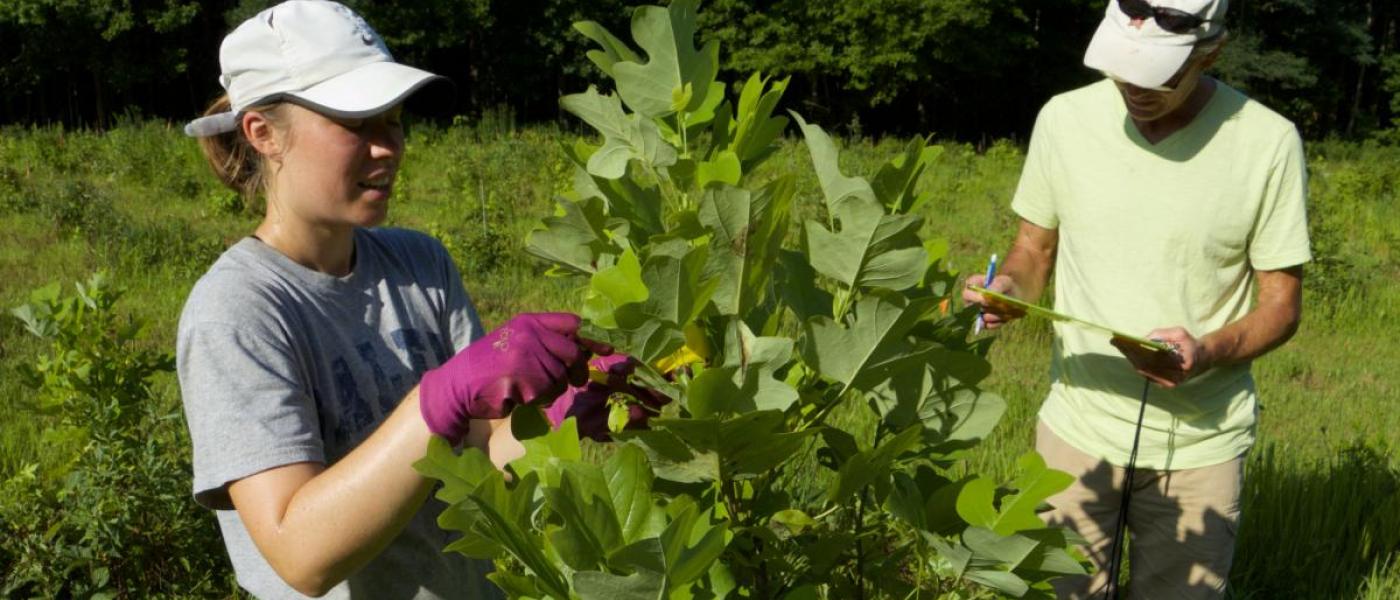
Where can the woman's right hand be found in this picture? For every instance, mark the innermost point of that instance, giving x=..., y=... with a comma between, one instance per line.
x=994, y=314
x=531, y=357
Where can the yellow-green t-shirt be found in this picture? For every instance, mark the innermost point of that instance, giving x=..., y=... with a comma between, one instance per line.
x=1159, y=236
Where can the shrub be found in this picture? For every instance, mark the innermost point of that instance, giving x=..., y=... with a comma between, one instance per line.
x=112, y=515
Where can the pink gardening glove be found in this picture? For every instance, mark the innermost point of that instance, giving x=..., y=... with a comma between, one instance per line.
x=588, y=403
x=530, y=358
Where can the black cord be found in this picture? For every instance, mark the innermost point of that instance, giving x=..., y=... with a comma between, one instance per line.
x=1115, y=557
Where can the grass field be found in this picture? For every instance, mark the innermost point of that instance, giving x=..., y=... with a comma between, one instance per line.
x=1322, y=497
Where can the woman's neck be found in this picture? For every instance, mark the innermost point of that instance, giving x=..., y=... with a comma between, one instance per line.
x=330, y=250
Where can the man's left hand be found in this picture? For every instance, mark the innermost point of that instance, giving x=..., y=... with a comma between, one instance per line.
x=1167, y=369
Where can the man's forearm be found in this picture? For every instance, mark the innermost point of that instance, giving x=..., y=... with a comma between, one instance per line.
x=1030, y=261
x=1272, y=322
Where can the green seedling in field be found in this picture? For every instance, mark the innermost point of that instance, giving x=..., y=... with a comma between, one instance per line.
x=759, y=329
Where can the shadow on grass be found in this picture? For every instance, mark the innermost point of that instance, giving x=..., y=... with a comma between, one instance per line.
x=1318, y=528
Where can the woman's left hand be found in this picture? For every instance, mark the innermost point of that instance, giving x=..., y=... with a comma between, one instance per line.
x=590, y=403
x=1168, y=369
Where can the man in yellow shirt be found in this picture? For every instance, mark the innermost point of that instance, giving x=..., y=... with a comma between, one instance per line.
x=1162, y=200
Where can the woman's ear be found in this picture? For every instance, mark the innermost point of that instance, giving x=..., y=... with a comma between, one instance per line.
x=261, y=134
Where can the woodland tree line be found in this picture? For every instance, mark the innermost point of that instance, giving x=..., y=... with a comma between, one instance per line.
x=966, y=69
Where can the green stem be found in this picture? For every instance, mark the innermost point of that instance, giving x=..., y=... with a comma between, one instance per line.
x=827, y=512
x=664, y=185
x=860, y=545
x=685, y=142
x=821, y=413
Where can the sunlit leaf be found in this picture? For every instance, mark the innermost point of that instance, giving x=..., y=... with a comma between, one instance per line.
x=667, y=37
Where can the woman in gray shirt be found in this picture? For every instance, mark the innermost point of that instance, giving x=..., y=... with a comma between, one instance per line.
x=318, y=356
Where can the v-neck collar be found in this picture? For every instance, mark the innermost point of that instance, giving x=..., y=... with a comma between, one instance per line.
x=1141, y=140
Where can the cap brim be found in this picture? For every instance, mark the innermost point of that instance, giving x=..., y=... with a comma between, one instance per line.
x=366, y=91
x=212, y=124
x=1134, y=61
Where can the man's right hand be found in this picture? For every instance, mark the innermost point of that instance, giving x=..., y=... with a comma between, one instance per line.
x=994, y=314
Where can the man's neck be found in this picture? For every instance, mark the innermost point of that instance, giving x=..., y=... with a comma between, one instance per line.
x=1159, y=129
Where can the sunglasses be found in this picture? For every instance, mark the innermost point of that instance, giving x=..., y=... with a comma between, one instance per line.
x=1169, y=19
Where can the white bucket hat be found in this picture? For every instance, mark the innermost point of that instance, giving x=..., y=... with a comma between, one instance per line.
x=1148, y=55
x=319, y=54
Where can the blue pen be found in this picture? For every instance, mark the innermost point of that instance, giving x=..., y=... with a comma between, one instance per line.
x=991, y=274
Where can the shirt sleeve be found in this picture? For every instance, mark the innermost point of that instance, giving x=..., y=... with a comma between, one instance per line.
x=247, y=408
x=1280, y=236
x=461, y=320
x=1035, y=199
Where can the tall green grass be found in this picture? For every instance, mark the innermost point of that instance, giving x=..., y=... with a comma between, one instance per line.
x=1321, y=498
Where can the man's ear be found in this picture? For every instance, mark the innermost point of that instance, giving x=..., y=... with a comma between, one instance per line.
x=261, y=134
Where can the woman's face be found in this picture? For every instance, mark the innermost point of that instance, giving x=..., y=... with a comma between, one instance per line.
x=337, y=172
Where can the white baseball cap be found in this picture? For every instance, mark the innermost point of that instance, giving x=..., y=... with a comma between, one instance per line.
x=1148, y=56
x=317, y=53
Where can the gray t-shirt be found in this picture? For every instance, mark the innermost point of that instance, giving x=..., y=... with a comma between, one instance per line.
x=281, y=364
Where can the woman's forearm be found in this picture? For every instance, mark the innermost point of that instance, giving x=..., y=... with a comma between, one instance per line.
x=317, y=525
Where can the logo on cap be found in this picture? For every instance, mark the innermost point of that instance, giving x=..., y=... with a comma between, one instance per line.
x=367, y=34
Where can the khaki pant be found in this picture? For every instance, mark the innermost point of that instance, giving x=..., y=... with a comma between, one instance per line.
x=1181, y=523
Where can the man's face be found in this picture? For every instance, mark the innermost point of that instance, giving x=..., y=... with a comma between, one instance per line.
x=1146, y=105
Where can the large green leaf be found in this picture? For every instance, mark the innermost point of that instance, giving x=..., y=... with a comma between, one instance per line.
x=868, y=466
x=677, y=289
x=1051, y=555
x=993, y=549
x=641, y=585
x=629, y=479
x=872, y=348
x=573, y=238
x=613, y=51
x=746, y=235
x=870, y=249
x=625, y=137
x=745, y=446
x=690, y=544
x=671, y=458
x=638, y=206
x=963, y=415
x=515, y=585
x=895, y=182
x=745, y=380
x=825, y=159
x=713, y=392
x=459, y=474
x=756, y=443
x=796, y=283
x=612, y=287
x=676, y=76
x=755, y=127
x=1006, y=582
x=1033, y=485
x=505, y=518
x=562, y=443
x=590, y=528
x=976, y=503
x=954, y=419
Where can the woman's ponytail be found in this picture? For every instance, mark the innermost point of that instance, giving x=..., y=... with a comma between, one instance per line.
x=235, y=162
